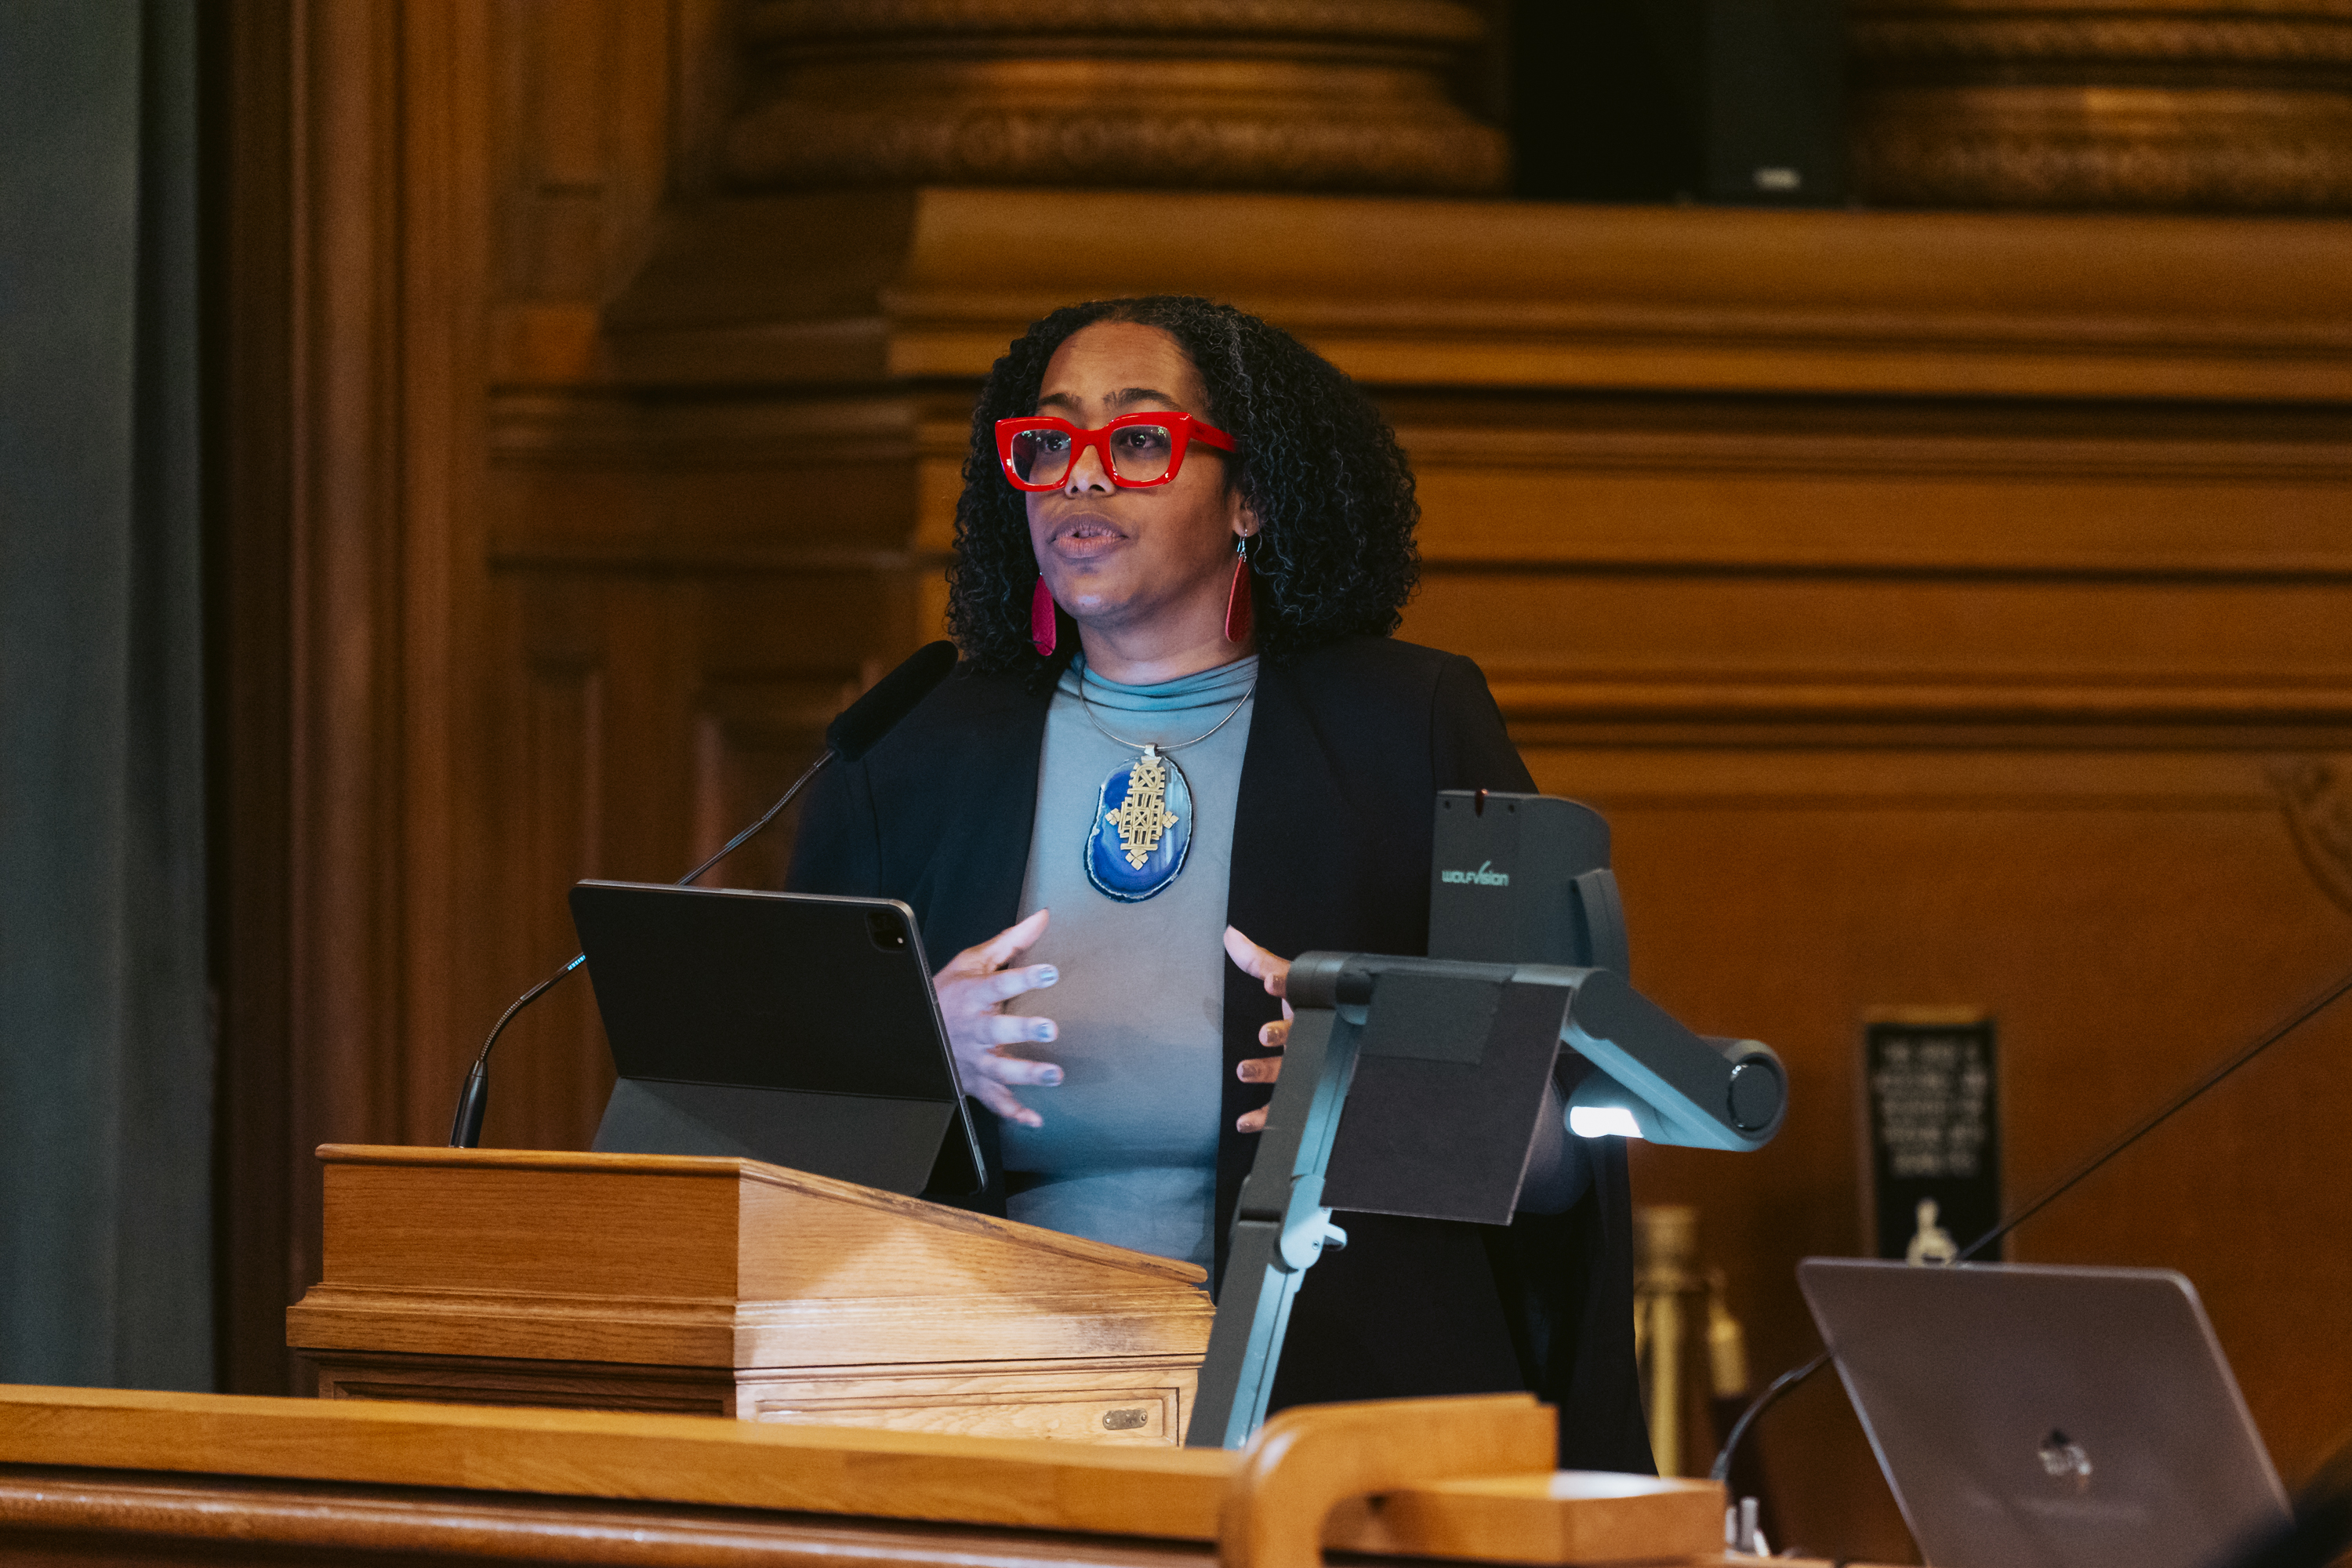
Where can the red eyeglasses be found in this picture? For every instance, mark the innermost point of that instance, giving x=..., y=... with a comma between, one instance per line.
x=1139, y=449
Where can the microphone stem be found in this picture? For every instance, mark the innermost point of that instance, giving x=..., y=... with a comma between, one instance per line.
x=1721, y=1470
x=2310, y=1011
x=474, y=1101
x=766, y=818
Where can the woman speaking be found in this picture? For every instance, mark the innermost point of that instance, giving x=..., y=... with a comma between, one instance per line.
x=1179, y=743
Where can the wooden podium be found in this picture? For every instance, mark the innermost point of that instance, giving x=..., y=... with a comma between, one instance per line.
x=642, y=1282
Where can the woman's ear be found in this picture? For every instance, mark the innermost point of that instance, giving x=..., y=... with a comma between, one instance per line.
x=1242, y=515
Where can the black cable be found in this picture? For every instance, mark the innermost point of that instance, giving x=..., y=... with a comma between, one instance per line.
x=849, y=737
x=1779, y=1386
x=2310, y=1011
x=473, y=1101
x=1795, y=1375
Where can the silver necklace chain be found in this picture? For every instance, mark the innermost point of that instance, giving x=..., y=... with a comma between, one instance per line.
x=1089, y=709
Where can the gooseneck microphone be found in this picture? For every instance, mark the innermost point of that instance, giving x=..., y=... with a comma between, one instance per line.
x=1721, y=1471
x=848, y=738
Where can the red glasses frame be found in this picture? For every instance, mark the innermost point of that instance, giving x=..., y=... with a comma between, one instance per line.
x=1183, y=431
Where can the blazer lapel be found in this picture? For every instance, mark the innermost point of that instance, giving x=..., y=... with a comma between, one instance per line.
x=976, y=784
x=1282, y=894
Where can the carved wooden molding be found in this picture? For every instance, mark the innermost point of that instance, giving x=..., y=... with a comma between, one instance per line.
x=1411, y=22
x=2074, y=103
x=1534, y=693
x=1892, y=31
x=933, y=283
x=1330, y=95
x=2318, y=806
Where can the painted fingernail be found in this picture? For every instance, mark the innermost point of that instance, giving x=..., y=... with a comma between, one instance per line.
x=1043, y=1030
x=1051, y=1076
x=1044, y=975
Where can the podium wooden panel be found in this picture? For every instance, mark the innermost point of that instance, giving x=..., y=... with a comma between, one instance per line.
x=725, y=1287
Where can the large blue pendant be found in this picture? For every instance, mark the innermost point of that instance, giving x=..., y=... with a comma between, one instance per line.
x=1143, y=827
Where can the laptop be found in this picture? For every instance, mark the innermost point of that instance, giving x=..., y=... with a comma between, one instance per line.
x=789, y=1027
x=2044, y=1417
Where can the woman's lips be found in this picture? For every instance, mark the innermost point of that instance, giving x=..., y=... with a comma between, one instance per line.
x=1085, y=536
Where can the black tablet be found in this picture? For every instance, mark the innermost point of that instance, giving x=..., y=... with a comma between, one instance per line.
x=790, y=1027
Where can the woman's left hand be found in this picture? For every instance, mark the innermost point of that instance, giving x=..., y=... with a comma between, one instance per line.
x=1275, y=973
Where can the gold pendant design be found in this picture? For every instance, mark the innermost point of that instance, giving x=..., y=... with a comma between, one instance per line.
x=1143, y=816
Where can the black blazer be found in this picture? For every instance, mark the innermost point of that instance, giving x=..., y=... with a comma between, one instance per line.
x=1348, y=747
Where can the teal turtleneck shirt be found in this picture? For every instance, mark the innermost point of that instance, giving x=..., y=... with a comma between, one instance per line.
x=1128, y=1151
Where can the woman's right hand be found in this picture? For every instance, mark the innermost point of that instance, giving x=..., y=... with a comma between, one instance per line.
x=972, y=989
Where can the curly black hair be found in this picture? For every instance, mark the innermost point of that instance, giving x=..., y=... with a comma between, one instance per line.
x=1333, y=493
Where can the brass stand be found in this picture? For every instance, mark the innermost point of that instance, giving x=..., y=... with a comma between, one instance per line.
x=1680, y=1315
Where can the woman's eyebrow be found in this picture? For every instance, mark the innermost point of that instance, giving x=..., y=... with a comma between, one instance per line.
x=1124, y=398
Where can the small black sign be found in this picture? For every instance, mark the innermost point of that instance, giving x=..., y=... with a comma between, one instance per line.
x=1930, y=1087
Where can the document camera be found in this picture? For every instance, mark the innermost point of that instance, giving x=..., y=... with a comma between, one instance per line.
x=1418, y=1085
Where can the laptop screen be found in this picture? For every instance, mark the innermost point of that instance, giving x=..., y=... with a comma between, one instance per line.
x=2028, y=1415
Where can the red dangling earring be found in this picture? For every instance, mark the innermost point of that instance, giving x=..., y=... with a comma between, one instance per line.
x=1042, y=628
x=1237, y=602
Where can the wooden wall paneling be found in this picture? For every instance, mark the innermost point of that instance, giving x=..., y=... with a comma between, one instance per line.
x=574, y=91
x=2318, y=807
x=355, y=288
x=1912, y=649
x=708, y=73
x=570, y=798
x=753, y=735
x=614, y=520
x=250, y=495
x=444, y=266
x=344, y=970
x=1852, y=484
x=561, y=765
x=737, y=565
x=581, y=156
x=650, y=717
x=812, y=480
x=1539, y=297
x=778, y=655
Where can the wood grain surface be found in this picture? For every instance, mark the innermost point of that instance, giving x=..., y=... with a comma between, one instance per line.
x=1099, y=1399
x=729, y=1287
x=1303, y=1463
x=496, y=1455
x=57, y=1517
x=670, y=1459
